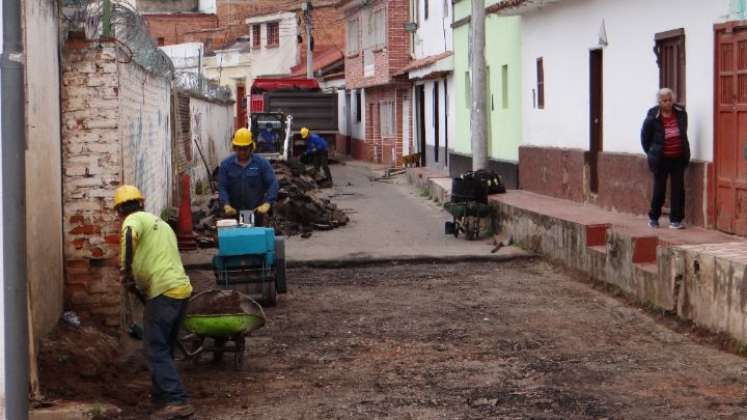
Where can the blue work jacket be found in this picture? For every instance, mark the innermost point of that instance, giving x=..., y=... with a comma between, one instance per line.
x=315, y=144
x=245, y=188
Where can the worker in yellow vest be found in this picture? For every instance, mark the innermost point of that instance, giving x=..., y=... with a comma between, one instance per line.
x=151, y=263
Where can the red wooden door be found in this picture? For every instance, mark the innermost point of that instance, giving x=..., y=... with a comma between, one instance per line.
x=730, y=145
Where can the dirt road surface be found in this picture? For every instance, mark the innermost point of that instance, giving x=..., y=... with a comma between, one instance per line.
x=517, y=340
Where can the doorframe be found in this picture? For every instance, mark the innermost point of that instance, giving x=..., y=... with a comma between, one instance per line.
x=594, y=152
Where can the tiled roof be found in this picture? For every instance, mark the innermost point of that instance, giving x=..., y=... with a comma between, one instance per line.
x=321, y=60
x=424, y=62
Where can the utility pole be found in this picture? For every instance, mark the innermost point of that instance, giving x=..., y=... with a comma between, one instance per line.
x=309, y=40
x=479, y=86
x=14, y=343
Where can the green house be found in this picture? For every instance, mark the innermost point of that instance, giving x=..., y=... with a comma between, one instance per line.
x=503, y=58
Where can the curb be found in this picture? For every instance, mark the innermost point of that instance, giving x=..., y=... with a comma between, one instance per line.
x=369, y=261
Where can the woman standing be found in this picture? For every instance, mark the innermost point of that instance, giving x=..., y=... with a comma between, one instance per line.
x=664, y=140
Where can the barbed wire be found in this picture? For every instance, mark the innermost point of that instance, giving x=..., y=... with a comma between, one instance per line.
x=118, y=20
x=199, y=85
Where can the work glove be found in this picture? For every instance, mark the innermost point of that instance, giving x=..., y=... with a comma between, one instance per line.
x=263, y=208
x=229, y=211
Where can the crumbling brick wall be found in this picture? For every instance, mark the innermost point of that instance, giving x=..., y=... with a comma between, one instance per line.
x=116, y=130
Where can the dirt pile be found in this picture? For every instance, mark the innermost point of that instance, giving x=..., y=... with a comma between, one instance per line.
x=85, y=364
x=299, y=208
x=218, y=302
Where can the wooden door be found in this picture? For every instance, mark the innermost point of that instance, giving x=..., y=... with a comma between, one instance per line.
x=595, y=117
x=730, y=143
x=420, y=98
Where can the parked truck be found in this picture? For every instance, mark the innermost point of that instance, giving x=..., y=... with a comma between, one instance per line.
x=302, y=99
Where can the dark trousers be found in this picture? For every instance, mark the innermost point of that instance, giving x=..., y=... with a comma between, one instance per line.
x=161, y=321
x=674, y=170
x=319, y=160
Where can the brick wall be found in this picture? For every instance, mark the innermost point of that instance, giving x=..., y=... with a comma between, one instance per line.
x=115, y=130
x=389, y=60
x=173, y=28
x=328, y=31
x=380, y=149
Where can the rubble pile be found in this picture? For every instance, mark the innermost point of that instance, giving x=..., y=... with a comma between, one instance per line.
x=220, y=302
x=298, y=210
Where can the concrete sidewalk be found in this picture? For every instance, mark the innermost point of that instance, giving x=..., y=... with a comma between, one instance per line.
x=698, y=274
x=389, y=221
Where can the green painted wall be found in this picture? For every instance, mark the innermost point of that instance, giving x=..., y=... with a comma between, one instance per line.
x=503, y=48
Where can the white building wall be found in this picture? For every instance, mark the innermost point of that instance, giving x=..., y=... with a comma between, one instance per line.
x=275, y=61
x=564, y=33
x=207, y=6
x=434, y=34
x=212, y=128
x=187, y=57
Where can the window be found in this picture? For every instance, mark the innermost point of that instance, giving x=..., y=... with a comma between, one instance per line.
x=375, y=29
x=504, y=86
x=446, y=8
x=425, y=9
x=273, y=34
x=358, y=106
x=353, y=38
x=256, y=36
x=670, y=55
x=540, y=83
x=386, y=117
x=161, y=41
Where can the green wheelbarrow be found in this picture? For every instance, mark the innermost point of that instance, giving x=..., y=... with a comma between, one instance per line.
x=220, y=333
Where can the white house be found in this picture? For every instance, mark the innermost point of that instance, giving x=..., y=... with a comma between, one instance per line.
x=431, y=103
x=187, y=57
x=590, y=71
x=274, y=44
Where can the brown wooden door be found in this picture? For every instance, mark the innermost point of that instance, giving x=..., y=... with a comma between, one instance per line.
x=595, y=117
x=730, y=145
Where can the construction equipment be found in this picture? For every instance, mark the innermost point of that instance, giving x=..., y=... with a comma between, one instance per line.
x=272, y=133
x=222, y=332
x=250, y=259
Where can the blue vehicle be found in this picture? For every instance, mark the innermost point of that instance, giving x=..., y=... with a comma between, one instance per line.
x=251, y=259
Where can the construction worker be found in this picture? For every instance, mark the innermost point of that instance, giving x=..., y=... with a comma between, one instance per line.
x=246, y=181
x=152, y=268
x=316, y=151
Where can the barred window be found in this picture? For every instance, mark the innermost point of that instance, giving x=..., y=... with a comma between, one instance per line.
x=256, y=34
x=273, y=34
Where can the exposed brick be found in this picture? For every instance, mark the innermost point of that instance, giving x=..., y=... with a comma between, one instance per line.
x=116, y=130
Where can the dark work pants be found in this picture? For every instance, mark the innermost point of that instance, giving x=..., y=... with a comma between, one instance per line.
x=162, y=319
x=674, y=170
x=320, y=160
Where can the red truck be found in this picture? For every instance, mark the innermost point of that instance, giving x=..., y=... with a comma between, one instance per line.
x=272, y=100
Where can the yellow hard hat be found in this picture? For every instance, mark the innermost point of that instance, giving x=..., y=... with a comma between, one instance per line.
x=242, y=138
x=304, y=133
x=126, y=193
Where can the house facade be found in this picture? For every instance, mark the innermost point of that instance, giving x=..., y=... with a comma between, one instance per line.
x=504, y=100
x=377, y=50
x=431, y=73
x=588, y=81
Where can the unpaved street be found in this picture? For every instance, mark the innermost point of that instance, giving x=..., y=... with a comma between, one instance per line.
x=508, y=340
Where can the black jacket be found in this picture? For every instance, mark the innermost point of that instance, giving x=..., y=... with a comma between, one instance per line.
x=652, y=135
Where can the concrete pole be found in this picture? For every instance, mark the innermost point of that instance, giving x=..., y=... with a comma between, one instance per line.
x=479, y=86
x=15, y=371
x=309, y=52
